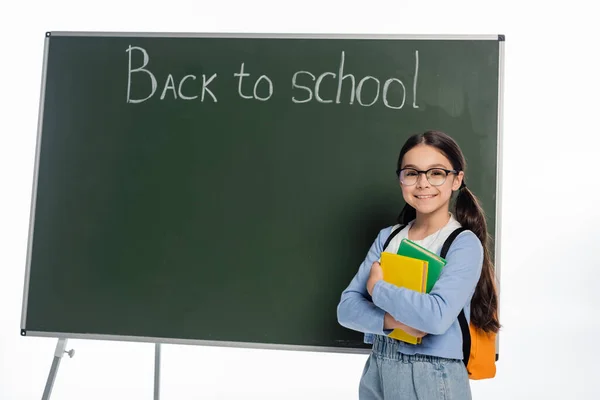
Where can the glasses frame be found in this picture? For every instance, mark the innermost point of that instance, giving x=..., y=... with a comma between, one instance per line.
x=447, y=171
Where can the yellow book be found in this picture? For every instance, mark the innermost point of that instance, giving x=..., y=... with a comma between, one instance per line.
x=407, y=272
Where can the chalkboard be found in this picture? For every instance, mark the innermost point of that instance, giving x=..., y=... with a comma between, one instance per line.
x=224, y=189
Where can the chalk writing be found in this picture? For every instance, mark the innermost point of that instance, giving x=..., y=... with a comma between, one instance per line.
x=170, y=85
x=329, y=87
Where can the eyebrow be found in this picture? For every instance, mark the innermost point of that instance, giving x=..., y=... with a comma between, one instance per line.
x=431, y=166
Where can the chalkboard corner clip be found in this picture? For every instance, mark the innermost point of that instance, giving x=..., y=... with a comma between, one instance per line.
x=23, y=332
x=48, y=34
x=501, y=38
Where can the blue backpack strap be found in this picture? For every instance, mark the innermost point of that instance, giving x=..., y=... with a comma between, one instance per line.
x=462, y=319
x=392, y=235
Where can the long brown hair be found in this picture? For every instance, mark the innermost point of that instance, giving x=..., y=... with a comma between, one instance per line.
x=484, y=304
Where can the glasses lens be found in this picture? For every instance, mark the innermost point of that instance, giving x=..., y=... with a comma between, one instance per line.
x=436, y=176
x=408, y=176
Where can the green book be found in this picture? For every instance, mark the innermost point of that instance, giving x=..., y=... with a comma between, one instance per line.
x=408, y=248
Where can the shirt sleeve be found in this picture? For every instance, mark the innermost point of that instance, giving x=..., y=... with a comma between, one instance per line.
x=436, y=311
x=356, y=310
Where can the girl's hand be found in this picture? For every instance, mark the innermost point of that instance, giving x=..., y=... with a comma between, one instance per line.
x=390, y=323
x=375, y=276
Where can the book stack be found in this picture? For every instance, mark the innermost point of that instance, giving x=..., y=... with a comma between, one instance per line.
x=415, y=268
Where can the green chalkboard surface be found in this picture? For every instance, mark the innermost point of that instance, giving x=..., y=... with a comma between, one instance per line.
x=224, y=190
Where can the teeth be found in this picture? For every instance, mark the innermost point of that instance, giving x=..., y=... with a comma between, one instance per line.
x=425, y=197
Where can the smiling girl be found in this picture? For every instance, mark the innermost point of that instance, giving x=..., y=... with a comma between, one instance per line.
x=431, y=168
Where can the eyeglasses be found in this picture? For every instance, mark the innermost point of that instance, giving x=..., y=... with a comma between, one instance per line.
x=435, y=176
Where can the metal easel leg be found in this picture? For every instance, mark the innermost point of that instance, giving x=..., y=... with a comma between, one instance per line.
x=61, y=345
x=157, y=371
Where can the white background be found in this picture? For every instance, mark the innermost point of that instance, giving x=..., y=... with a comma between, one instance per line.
x=551, y=219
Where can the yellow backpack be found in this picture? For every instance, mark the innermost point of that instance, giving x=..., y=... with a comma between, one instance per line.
x=479, y=347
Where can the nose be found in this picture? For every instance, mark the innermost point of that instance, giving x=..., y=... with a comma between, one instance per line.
x=422, y=180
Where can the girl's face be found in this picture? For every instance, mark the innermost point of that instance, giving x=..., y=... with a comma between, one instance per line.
x=422, y=195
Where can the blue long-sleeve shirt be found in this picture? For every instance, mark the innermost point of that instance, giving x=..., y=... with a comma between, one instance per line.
x=435, y=313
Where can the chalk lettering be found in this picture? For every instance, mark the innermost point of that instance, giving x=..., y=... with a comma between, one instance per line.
x=359, y=90
x=266, y=78
x=181, y=95
x=242, y=75
x=367, y=92
x=295, y=85
x=169, y=84
x=415, y=80
x=318, y=84
x=139, y=69
x=341, y=78
x=386, y=86
x=205, y=87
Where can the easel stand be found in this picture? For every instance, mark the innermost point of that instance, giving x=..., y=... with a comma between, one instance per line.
x=60, y=351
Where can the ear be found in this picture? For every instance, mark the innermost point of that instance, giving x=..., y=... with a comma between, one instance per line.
x=458, y=178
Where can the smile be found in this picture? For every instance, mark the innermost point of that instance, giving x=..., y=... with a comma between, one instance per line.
x=428, y=196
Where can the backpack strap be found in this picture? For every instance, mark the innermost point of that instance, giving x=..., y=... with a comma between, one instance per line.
x=392, y=235
x=466, y=334
x=462, y=319
x=449, y=241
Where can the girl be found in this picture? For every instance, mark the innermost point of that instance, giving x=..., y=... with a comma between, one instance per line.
x=431, y=167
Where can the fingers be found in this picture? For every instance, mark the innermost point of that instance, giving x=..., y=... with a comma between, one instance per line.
x=419, y=334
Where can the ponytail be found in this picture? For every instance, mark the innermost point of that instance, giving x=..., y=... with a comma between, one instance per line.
x=484, y=304
x=407, y=214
